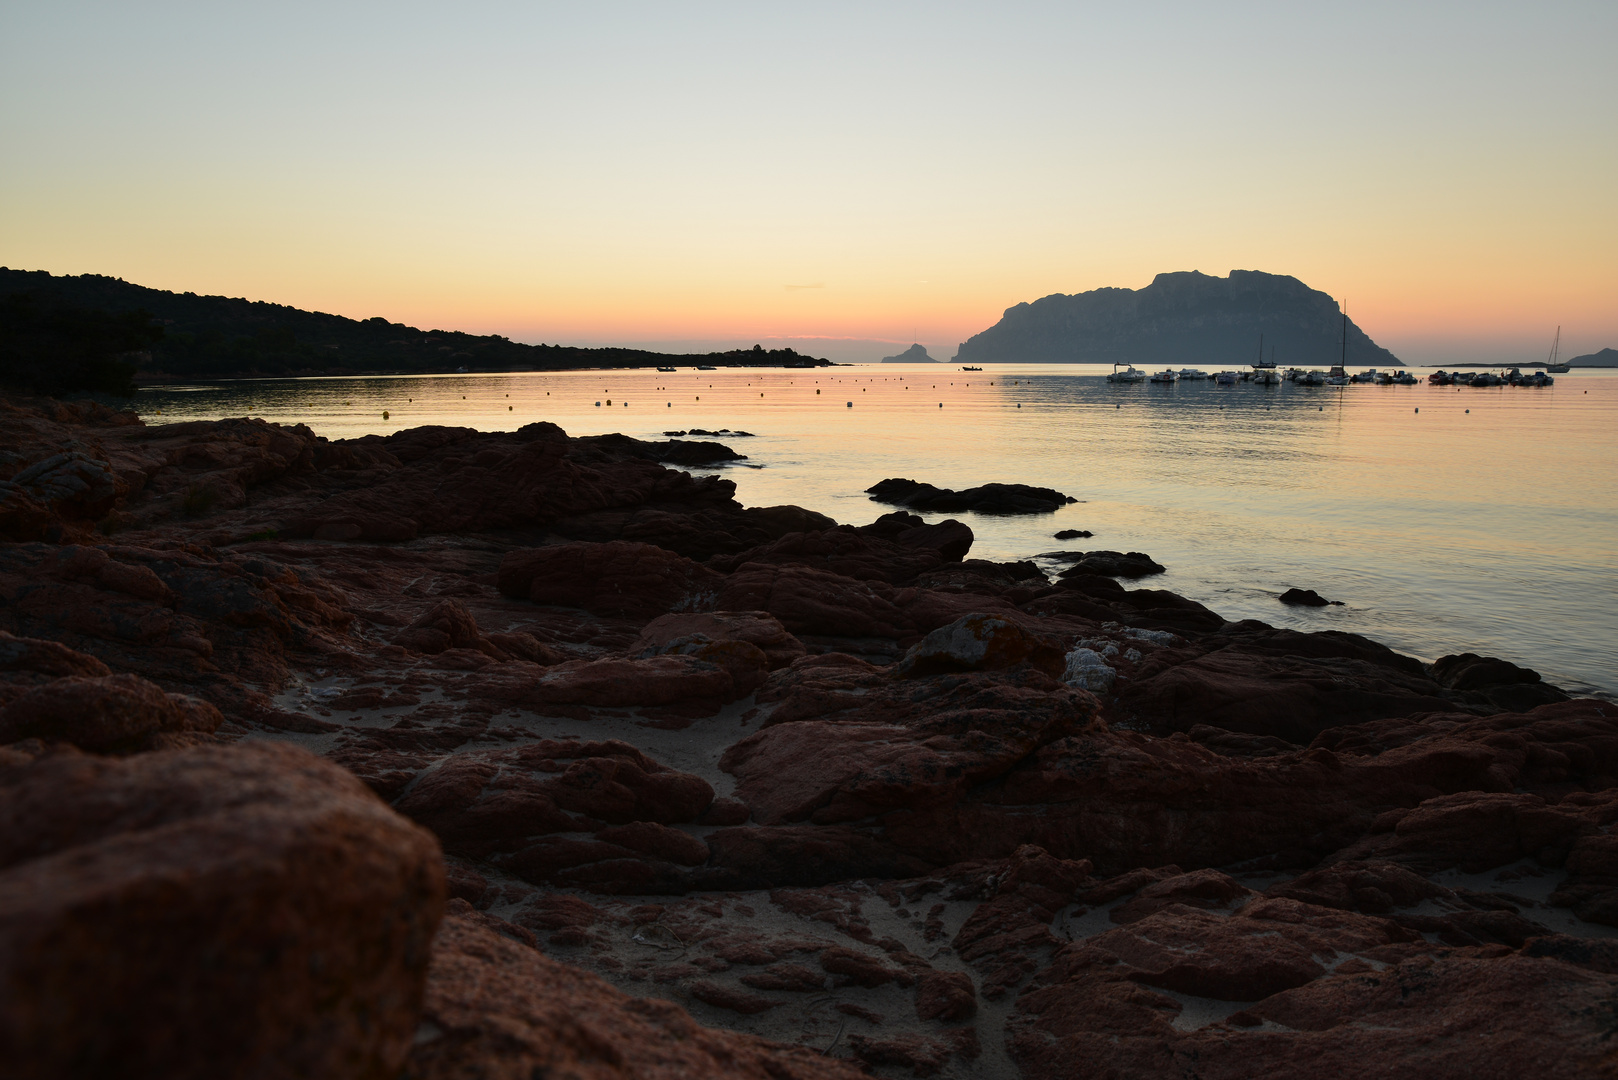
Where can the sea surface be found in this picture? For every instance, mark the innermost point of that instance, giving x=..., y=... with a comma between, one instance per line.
x=1446, y=519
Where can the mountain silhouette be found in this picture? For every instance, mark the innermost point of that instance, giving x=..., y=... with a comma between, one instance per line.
x=1186, y=318
x=916, y=354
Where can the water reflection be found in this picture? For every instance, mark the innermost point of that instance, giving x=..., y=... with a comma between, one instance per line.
x=1481, y=522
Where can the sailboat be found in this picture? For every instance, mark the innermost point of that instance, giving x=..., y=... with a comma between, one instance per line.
x=1556, y=345
x=1260, y=365
x=1339, y=374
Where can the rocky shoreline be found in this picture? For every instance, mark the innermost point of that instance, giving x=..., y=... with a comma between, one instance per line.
x=455, y=754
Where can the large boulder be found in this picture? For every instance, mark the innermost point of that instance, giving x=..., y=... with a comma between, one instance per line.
x=811, y=601
x=616, y=578
x=219, y=911
x=106, y=714
x=978, y=642
x=497, y=1008
x=757, y=628
x=895, y=548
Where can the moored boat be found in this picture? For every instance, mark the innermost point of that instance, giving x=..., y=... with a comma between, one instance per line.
x=1227, y=378
x=1166, y=376
x=1551, y=362
x=1130, y=374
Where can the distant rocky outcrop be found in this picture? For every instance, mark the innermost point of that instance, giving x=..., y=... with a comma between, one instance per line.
x=1181, y=318
x=1604, y=358
x=916, y=354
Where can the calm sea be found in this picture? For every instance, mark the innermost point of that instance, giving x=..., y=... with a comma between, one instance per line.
x=1447, y=520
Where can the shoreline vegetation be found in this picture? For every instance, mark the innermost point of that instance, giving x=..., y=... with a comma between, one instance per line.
x=58, y=338
x=477, y=752
x=97, y=334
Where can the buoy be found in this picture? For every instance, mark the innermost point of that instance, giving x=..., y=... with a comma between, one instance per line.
x=1120, y=406
x=671, y=404
x=609, y=401
x=940, y=404
x=850, y=404
x=1469, y=410
x=1019, y=405
x=384, y=414
x=508, y=408
x=817, y=391
x=598, y=404
x=1418, y=410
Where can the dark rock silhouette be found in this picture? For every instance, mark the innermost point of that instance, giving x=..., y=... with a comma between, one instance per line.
x=985, y=499
x=916, y=354
x=1306, y=598
x=1603, y=359
x=1179, y=319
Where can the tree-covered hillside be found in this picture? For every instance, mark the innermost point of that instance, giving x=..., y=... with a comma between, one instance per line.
x=221, y=337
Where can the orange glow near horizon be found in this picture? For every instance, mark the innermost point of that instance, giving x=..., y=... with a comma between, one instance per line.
x=817, y=177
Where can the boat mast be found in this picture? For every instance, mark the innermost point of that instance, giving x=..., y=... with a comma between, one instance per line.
x=1556, y=343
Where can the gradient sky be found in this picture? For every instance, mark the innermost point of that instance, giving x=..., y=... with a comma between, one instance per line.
x=729, y=173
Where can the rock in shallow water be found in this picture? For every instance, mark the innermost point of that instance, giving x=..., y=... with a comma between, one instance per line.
x=986, y=499
x=1306, y=598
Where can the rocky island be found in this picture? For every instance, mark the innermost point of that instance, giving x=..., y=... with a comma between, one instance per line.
x=916, y=354
x=451, y=754
x=1180, y=319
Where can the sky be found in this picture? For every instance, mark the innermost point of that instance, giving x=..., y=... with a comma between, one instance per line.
x=842, y=177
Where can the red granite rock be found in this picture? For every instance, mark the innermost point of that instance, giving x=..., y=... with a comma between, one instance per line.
x=245, y=910
x=945, y=995
x=617, y=578
x=497, y=1009
x=106, y=714
x=758, y=628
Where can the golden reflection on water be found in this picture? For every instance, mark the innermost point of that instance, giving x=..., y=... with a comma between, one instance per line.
x=1449, y=519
